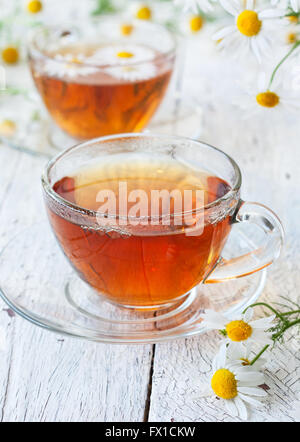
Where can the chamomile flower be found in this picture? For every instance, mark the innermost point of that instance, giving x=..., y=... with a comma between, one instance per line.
x=194, y=5
x=260, y=98
x=191, y=24
x=7, y=127
x=10, y=55
x=126, y=29
x=241, y=329
x=241, y=355
x=125, y=54
x=252, y=29
x=291, y=34
x=34, y=6
x=141, y=10
x=67, y=66
x=235, y=384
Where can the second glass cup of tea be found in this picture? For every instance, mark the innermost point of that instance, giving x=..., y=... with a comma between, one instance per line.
x=144, y=218
x=105, y=78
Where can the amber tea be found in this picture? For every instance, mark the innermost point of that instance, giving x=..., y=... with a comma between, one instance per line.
x=151, y=266
x=94, y=90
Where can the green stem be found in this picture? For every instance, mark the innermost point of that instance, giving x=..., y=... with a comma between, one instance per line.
x=285, y=328
x=281, y=62
x=290, y=313
x=259, y=354
x=274, y=337
x=279, y=315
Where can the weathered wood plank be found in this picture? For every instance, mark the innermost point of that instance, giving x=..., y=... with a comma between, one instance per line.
x=270, y=161
x=48, y=378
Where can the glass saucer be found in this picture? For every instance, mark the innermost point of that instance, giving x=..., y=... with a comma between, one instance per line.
x=36, y=134
x=38, y=283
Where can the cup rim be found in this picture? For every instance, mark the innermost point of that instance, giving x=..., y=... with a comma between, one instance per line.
x=78, y=209
x=33, y=45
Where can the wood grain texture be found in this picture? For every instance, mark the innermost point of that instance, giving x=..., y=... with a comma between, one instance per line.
x=45, y=377
x=269, y=156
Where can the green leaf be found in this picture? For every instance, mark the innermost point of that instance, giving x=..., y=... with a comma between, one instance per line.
x=103, y=7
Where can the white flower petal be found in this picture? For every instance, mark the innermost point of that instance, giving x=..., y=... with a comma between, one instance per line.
x=250, y=4
x=213, y=320
x=253, y=391
x=220, y=358
x=263, y=323
x=223, y=32
x=250, y=400
x=271, y=13
x=231, y=407
x=242, y=410
x=295, y=5
x=229, y=7
x=247, y=316
x=255, y=48
x=261, y=337
x=255, y=378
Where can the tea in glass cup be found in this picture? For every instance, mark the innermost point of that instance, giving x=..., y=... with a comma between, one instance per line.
x=95, y=80
x=144, y=218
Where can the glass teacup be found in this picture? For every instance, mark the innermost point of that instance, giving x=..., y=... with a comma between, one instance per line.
x=144, y=218
x=104, y=78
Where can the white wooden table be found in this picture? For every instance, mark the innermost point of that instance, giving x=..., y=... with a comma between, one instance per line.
x=46, y=377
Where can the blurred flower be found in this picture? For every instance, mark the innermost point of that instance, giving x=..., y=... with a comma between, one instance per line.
x=126, y=29
x=262, y=98
x=292, y=34
x=34, y=6
x=67, y=66
x=235, y=384
x=143, y=11
x=195, y=23
x=10, y=55
x=7, y=128
x=191, y=25
x=125, y=54
x=252, y=29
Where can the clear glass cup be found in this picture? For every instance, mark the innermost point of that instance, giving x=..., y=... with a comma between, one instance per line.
x=134, y=262
x=103, y=78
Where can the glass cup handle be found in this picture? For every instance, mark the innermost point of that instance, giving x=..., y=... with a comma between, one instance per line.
x=262, y=255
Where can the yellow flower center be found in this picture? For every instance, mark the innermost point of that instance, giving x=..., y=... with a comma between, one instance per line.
x=144, y=13
x=126, y=29
x=34, y=6
x=10, y=55
x=245, y=361
x=293, y=19
x=267, y=99
x=248, y=23
x=76, y=60
x=125, y=54
x=224, y=384
x=291, y=38
x=196, y=23
x=7, y=128
x=238, y=331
